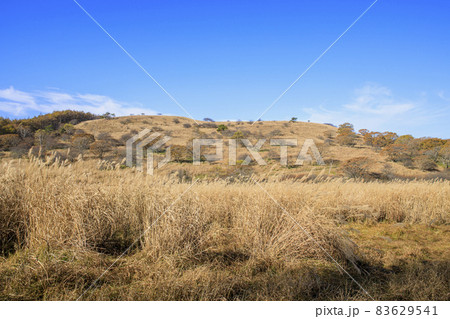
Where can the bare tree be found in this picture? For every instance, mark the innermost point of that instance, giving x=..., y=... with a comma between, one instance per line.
x=41, y=138
x=444, y=155
x=23, y=131
x=99, y=148
x=81, y=142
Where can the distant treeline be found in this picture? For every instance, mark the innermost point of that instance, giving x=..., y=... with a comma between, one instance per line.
x=51, y=121
x=424, y=153
x=21, y=134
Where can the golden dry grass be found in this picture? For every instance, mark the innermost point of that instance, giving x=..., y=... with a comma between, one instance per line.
x=62, y=226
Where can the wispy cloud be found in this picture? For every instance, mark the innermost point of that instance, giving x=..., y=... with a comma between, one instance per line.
x=19, y=103
x=442, y=95
x=376, y=107
x=377, y=100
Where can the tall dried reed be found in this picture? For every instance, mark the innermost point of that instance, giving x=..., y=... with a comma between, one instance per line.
x=80, y=208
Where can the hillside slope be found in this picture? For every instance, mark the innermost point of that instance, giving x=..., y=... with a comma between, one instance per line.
x=182, y=130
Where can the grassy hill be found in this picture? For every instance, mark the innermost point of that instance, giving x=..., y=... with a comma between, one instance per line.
x=182, y=130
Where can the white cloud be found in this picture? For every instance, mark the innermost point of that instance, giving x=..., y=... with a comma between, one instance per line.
x=376, y=108
x=20, y=103
x=442, y=95
x=377, y=100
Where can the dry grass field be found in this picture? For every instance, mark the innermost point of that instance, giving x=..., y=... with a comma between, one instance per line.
x=62, y=225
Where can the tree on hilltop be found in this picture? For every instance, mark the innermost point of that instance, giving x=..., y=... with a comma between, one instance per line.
x=346, y=135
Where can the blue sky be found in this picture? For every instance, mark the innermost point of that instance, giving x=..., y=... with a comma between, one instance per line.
x=232, y=59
